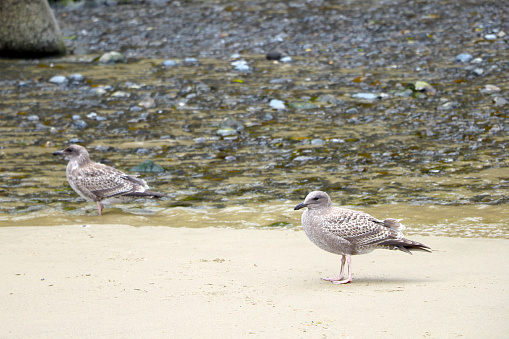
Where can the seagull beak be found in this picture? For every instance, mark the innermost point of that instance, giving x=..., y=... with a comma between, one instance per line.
x=58, y=153
x=299, y=206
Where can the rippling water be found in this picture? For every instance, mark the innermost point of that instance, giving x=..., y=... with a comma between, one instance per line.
x=444, y=172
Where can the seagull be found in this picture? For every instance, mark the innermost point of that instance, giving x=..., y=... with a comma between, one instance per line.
x=348, y=232
x=101, y=183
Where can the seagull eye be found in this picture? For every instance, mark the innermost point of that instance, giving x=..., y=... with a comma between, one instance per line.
x=316, y=198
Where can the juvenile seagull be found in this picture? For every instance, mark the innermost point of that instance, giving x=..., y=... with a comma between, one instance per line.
x=100, y=183
x=348, y=232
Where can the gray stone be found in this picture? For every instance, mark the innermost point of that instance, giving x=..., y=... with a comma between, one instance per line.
x=277, y=104
x=365, y=96
x=464, y=57
x=28, y=29
x=111, y=58
x=58, y=79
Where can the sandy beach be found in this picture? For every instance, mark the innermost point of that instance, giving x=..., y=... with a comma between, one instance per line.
x=117, y=281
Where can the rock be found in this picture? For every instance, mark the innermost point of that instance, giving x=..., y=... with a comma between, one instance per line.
x=230, y=158
x=273, y=55
x=147, y=102
x=478, y=71
x=80, y=124
x=29, y=30
x=302, y=105
x=277, y=104
x=317, y=142
x=192, y=61
x=58, y=79
x=200, y=140
x=147, y=166
x=76, y=117
x=404, y=93
x=76, y=77
x=490, y=89
x=111, y=58
x=476, y=61
x=352, y=110
x=464, y=57
x=120, y=94
x=499, y=102
x=423, y=86
x=267, y=117
x=303, y=158
x=286, y=59
x=365, y=96
x=33, y=118
x=241, y=65
x=490, y=37
x=169, y=63
x=203, y=88
x=226, y=131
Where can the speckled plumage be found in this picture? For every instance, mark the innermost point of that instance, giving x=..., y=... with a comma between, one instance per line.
x=348, y=232
x=101, y=183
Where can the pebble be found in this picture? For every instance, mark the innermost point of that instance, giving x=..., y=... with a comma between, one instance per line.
x=58, y=79
x=303, y=158
x=120, y=94
x=464, y=57
x=352, y=110
x=230, y=158
x=317, y=142
x=476, y=61
x=147, y=102
x=191, y=61
x=286, y=59
x=76, y=117
x=33, y=118
x=490, y=89
x=80, y=124
x=147, y=166
x=423, y=86
x=169, y=63
x=490, y=37
x=277, y=104
x=241, y=65
x=478, y=71
x=200, y=140
x=76, y=77
x=273, y=55
x=365, y=96
x=226, y=131
x=111, y=58
x=235, y=56
x=267, y=117
x=499, y=102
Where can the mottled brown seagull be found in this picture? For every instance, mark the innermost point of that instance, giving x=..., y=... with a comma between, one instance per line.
x=100, y=183
x=348, y=232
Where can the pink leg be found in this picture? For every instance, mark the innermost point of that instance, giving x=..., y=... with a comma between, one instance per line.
x=100, y=207
x=343, y=258
x=349, y=264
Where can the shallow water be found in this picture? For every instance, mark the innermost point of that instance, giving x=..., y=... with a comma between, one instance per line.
x=440, y=168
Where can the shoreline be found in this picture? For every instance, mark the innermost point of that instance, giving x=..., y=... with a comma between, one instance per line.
x=123, y=281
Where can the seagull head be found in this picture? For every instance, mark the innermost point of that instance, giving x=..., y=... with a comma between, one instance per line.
x=315, y=200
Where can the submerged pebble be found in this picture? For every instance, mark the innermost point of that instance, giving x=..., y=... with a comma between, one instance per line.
x=111, y=58
x=365, y=96
x=273, y=55
x=464, y=57
x=277, y=104
x=169, y=63
x=58, y=79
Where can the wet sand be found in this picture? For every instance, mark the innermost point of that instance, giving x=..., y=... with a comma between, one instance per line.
x=117, y=281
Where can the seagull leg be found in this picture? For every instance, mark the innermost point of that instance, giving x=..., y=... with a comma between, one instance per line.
x=349, y=264
x=343, y=258
x=100, y=207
